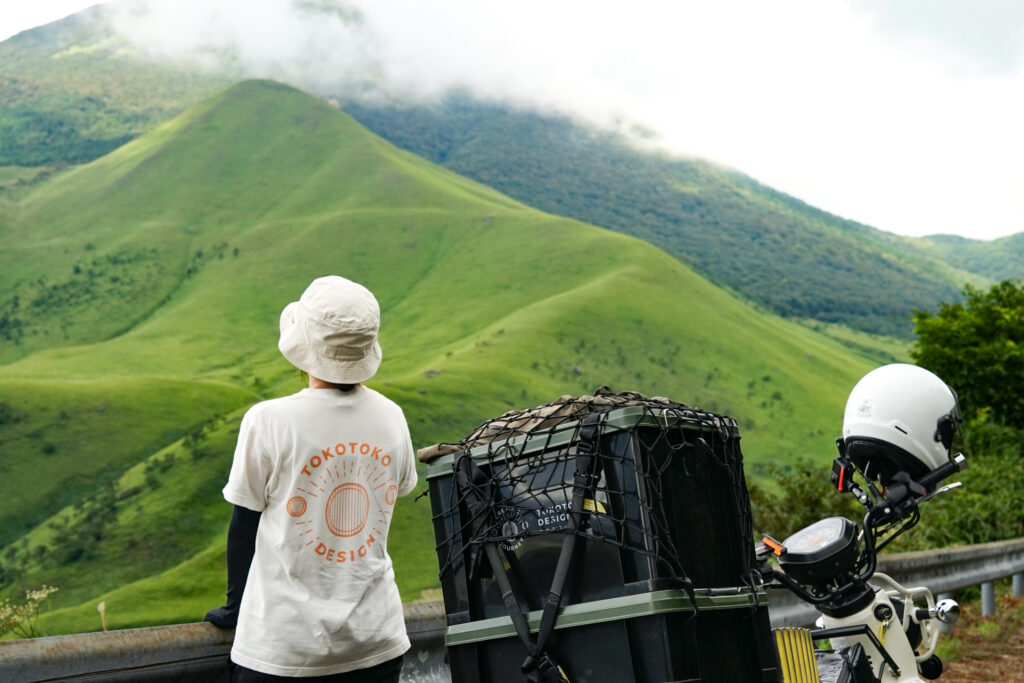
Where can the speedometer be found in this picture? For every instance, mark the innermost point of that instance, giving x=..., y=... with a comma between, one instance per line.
x=818, y=553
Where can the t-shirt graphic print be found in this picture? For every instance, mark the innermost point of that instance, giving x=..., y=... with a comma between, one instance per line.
x=350, y=486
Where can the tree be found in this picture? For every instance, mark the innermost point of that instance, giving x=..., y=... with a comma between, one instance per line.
x=802, y=494
x=977, y=347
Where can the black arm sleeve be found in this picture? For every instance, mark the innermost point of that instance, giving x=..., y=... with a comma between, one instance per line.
x=242, y=541
x=241, y=547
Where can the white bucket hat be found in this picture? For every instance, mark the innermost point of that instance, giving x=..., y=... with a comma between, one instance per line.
x=331, y=331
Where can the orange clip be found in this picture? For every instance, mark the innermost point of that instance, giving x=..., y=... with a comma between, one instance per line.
x=776, y=547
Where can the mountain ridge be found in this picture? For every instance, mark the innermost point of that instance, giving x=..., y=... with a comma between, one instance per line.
x=795, y=259
x=772, y=248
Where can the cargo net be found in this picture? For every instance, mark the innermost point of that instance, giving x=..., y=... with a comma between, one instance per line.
x=520, y=479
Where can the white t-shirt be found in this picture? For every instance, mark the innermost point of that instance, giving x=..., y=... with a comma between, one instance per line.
x=325, y=468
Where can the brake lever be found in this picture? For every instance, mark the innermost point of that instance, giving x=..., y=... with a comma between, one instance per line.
x=947, y=487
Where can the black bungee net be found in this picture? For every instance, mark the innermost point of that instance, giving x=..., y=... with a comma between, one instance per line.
x=560, y=456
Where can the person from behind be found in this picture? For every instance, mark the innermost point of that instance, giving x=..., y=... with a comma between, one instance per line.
x=314, y=481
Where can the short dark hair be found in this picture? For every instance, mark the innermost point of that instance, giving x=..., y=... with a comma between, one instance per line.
x=340, y=387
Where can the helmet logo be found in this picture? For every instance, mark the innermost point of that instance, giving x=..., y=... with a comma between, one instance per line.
x=864, y=410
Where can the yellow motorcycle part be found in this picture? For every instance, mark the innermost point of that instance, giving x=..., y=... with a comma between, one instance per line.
x=796, y=655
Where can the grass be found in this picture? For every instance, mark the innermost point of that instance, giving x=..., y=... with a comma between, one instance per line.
x=10, y=175
x=881, y=348
x=179, y=595
x=150, y=281
x=63, y=440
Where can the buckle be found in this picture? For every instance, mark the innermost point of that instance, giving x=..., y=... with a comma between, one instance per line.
x=548, y=668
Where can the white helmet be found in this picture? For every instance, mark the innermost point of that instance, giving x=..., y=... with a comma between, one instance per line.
x=899, y=417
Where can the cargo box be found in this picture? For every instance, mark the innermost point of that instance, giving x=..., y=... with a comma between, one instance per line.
x=666, y=527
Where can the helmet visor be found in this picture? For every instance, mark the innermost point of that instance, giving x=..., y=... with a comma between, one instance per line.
x=947, y=425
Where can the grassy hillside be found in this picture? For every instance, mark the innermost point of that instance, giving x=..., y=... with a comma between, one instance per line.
x=62, y=440
x=149, y=282
x=73, y=90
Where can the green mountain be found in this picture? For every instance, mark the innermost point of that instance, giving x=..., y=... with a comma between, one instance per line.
x=141, y=293
x=74, y=90
x=795, y=259
x=999, y=259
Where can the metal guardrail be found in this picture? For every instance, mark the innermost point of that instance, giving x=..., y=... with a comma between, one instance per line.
x=187, y=652
x=200, y=651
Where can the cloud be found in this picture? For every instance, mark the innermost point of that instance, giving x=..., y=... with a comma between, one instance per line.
x=855, y=106
x=974, y=35
x=320, y=45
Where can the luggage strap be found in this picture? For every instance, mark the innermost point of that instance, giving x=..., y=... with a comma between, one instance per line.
x=480, y=495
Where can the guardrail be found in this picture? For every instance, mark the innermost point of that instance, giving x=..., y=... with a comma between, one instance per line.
x=187, y=652
x=200, y=651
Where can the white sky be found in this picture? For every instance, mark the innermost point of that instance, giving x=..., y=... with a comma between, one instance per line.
x=16, y=15
x=902, y=114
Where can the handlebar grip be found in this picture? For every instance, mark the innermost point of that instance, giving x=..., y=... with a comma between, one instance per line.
x=946, y=469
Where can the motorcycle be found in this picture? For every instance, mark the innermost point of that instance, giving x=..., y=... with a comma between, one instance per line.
x=879, y=630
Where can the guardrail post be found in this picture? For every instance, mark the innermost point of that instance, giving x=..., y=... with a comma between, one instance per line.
x=988, y=599
x=1018, y=585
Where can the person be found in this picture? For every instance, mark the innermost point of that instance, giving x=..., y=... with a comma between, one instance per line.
x=314, y=481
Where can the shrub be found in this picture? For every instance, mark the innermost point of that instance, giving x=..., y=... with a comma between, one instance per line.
x=21, y=618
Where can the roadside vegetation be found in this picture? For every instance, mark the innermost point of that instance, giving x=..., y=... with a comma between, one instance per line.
x=977, y=347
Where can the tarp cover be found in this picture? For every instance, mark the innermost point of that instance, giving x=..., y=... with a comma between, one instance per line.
x=563, y=409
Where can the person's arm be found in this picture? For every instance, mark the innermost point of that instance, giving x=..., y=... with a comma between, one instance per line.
x=241, y=546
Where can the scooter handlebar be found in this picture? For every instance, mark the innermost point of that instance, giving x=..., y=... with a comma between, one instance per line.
x=947, y=611
x=957, y=464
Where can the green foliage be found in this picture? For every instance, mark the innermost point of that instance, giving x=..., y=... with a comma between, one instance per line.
x=180, y=594
x=977, y=347
x=987, y=508
x=158, y=514
x=74, y=91
x=33, y=138
x=795, y=496
x=999, y=259
x=64, y=441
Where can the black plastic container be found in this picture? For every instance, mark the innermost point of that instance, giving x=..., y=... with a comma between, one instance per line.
x=671, y=505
